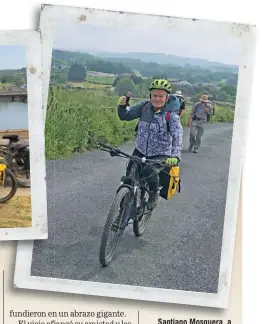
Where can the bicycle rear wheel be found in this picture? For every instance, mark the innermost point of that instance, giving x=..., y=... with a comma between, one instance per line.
x=7, y=192
x=114, y=224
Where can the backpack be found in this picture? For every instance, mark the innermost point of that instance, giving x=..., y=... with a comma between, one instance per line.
x=167, y=119
x=170, y=182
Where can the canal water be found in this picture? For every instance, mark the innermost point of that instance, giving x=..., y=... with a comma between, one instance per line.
x=13, y=115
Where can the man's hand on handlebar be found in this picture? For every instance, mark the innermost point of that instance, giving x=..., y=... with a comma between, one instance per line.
x=172, y=161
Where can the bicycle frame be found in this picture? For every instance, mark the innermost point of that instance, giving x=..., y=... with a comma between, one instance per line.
x=22, y=163
x=133, y=184
x=10, y=154
x=7, y=153
x=136, y=184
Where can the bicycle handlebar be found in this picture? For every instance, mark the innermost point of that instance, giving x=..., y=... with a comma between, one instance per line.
x=128, y=98
x=106, y=146
x=115, y=151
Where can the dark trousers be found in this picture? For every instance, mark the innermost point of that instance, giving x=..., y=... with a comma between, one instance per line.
x=147, y=171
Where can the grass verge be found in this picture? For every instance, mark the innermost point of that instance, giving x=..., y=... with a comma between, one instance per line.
x=76, y=120
x=16, y=213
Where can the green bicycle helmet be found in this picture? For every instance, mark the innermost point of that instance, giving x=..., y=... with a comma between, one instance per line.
x=160, y=84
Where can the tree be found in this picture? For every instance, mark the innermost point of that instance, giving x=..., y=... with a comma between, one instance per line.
x=116, y=81
x=124, y=85
x=174, y=87
x=76, y=73
x=222, y=95
x=59, y=77
x=19, y=82
x=230, y=90
x=4, y=79
x=141, y=90
x=137, y=79
x=7, y=79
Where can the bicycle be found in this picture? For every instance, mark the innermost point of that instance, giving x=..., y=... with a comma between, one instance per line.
x=133, y=190
x=6, y=173
x=18, y=160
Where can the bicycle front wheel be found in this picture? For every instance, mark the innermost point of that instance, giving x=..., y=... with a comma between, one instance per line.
x=114, y=226
x=142, y=220
x=8, y=185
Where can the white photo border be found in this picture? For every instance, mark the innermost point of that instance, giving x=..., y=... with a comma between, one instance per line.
x=247, y=33
x=31, y=40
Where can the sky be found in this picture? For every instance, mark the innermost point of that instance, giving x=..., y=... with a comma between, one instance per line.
x=12, y=57
x=186, y=43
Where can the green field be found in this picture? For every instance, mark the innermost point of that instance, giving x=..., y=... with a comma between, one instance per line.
x=5, y=86
x=16, y=213
x=77, y=119
x=101, y=80
x=89, y=85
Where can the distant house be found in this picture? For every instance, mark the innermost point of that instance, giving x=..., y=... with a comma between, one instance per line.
x=99, y=74
x=126, y=74
x=60, y=66
x=174, y=80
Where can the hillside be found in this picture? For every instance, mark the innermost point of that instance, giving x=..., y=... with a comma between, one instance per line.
x=12, y=77
x=190, y=73
x=162, y=58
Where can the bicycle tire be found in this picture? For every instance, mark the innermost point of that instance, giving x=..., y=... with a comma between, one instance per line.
x=104, y=259
x=22, y=184
x=140, y=223
x=14, y=167
x=12, y=177
x=133, y=171
x=138, y=226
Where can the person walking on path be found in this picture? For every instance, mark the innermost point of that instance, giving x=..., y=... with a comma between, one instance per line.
x=196, y=121
x=182, y=103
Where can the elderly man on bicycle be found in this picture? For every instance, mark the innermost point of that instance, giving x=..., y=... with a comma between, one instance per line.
x=159, y=131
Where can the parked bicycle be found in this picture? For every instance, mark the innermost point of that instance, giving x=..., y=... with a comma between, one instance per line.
x=17, y=156
x=7, y=190
x=129, y=204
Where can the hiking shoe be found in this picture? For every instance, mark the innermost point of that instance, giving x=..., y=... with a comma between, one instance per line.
x=153, y=200
x=195, y=150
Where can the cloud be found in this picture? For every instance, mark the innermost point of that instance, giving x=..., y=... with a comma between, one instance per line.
x=208, y=44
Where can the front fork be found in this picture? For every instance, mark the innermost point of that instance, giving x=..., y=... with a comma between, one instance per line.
x=134, y=204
